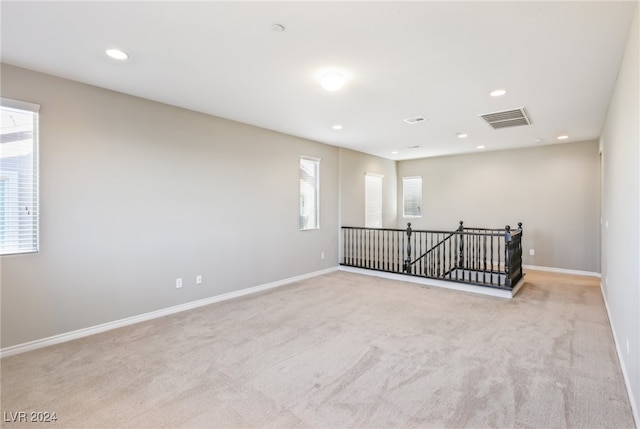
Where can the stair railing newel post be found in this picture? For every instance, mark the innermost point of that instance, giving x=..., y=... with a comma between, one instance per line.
x=507, y=256
x=407, y=262
x=520, y=242
x=461, y=256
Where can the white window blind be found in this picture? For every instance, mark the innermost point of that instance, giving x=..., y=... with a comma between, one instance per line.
x=18, y=177
x=373, y=200
x=309, y=193
x=412, y=196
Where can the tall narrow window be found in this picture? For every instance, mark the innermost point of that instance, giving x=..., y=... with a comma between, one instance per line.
x=412, y=196
x=373, y=200
x=18, y=177
x=309, y=193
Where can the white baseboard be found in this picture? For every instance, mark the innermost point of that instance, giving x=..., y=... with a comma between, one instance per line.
x=482, y=290
x=85, y=332
x=561, y=270
x=634, y=408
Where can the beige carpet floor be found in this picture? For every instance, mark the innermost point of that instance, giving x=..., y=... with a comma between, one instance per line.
x=341, y=350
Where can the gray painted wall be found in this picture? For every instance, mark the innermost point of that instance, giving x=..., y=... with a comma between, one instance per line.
x=620, y=143
x=553, y=190
x=353, y=166
x=135, y=194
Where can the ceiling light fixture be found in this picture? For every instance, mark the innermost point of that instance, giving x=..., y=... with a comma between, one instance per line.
x=462, y=135
x=480, y=147
x=498, y=92
x=564, y=137
x=395, y=152
x=117, y=54
x=332, y=81
x=337, y=127
x=278, y=28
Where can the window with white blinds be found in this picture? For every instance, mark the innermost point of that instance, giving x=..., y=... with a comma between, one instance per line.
x=18, y=177
x=309, y=193
x=373, y=200
x=412, y=196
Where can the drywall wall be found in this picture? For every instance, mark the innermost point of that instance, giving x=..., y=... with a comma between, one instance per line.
x=353, y=166
x=553, y=190
x=620, y=142
x=135, y=194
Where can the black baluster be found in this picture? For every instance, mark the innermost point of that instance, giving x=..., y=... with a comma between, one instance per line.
x=500, y=260
x=491, y=257
x=351, y=246
x=484, y=258
x=369, y=253
x=356, y=247
x=385, y=266
x=363, y=235
x=345, y=255
x=396, y=260
x=432, y=259
x=450, y=266
x=436, y=255
x=461, y=257
x=380, y=260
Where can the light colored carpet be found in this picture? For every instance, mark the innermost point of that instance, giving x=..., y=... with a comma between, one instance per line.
x=342, y=350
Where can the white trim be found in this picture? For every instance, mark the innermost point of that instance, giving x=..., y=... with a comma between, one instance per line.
x=20, y=105
x=481, y=290
x=85, y=332
x=311, y=158
x=562, y=270
x=627, y=382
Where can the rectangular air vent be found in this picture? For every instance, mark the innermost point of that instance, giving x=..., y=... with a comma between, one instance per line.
x=507, y=118
x=415, y=120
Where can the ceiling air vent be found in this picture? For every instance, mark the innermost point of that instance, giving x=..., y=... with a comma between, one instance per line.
x=507, y=118
x=415, y=120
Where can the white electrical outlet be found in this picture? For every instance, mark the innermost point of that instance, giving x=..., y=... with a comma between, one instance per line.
x=198, y=279
x=322, y=255
x=178, y=283
x=532, y=252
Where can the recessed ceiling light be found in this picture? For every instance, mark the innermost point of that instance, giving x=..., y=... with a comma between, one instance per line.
x=462, y=135
x=117, y=54
x=480, y=147
x=278, y=28
x=395, y=152
x=564, y=137
x=337, y=127
x=498, y=92
x=332, y=81
x=414, y=147
x=539, y=140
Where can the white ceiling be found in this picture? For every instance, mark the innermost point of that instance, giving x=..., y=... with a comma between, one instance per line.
x=403, y=59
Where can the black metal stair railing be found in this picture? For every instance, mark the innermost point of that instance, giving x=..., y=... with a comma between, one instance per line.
x=482, y=256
